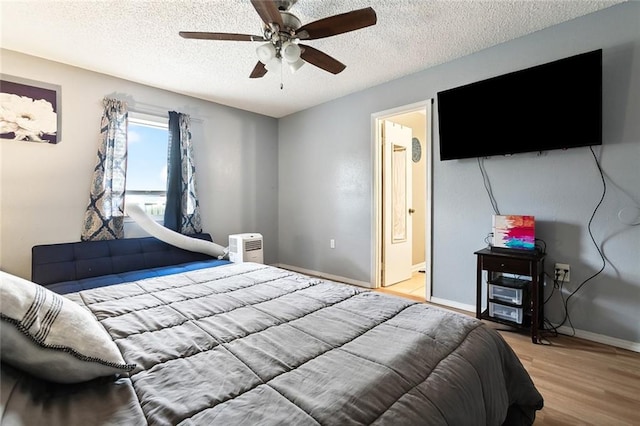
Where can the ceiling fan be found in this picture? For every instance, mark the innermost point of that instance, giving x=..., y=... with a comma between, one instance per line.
x=282, y=32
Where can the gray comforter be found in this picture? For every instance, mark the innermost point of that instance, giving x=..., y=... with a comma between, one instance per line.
x=252, y=344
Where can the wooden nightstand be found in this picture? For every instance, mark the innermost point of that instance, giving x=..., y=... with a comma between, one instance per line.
x=514, y=289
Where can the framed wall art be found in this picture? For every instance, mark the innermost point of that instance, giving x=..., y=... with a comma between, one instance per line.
x=29, y=110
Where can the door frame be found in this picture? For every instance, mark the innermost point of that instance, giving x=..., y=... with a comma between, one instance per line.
x=377, y=186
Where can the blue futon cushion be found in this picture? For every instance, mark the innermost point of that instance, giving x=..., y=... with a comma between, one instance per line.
x=69, y=267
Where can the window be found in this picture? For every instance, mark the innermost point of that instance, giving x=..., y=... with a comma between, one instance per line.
x=146, y=183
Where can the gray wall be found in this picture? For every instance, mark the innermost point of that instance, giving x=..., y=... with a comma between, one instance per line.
x=44, y=188
x=325, y=179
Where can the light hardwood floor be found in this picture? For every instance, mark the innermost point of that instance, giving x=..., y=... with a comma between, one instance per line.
x=582, y=382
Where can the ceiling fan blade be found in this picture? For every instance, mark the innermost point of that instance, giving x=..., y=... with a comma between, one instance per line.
x=268, y=12
x=220, y=36
x=321, y=60
x=258, y=71
x=338, y=24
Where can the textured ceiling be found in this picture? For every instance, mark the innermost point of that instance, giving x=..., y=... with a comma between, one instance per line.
x=139, y=41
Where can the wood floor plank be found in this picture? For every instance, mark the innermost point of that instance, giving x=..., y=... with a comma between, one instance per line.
x=582, y=382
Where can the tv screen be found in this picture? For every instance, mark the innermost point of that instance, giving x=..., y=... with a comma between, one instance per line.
x=556, y=105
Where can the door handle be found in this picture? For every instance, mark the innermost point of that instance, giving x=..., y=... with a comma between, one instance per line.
x=411, y=211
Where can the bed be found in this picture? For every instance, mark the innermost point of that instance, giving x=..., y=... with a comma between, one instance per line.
x=187, y=340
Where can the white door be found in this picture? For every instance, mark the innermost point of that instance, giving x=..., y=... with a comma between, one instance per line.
x=397, y=225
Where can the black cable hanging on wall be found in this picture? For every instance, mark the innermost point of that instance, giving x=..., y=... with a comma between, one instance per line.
x=567, y=317
x=558, y=282
x=487, y=186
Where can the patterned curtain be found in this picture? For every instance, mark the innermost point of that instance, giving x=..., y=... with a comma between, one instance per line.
x=182, y=213
x=104, y=217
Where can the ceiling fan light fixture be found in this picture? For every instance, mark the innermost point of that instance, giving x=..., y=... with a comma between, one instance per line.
x=295, y=66
x=266, y=52
x=290, y=52
x=273, y=64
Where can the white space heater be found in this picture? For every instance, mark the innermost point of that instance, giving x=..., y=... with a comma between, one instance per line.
x=245, y=248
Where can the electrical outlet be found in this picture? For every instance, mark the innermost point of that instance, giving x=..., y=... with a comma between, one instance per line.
x=562, y=271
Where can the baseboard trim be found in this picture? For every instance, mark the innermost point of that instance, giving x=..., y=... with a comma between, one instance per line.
x=601, y=338
x=420, y=266
x=452, y=304
x=324, y=275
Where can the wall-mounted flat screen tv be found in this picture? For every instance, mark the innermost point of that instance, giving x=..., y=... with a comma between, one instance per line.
x=556, y=105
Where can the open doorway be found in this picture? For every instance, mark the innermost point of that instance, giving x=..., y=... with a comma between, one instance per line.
x=417, y=204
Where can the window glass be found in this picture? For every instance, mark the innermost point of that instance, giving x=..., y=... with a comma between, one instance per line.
x=147, y=164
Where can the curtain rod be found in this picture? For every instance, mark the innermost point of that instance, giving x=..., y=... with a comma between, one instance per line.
x=157, y=110
x=160, y=111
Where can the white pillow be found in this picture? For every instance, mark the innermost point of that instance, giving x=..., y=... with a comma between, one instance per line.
x=52, y=337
